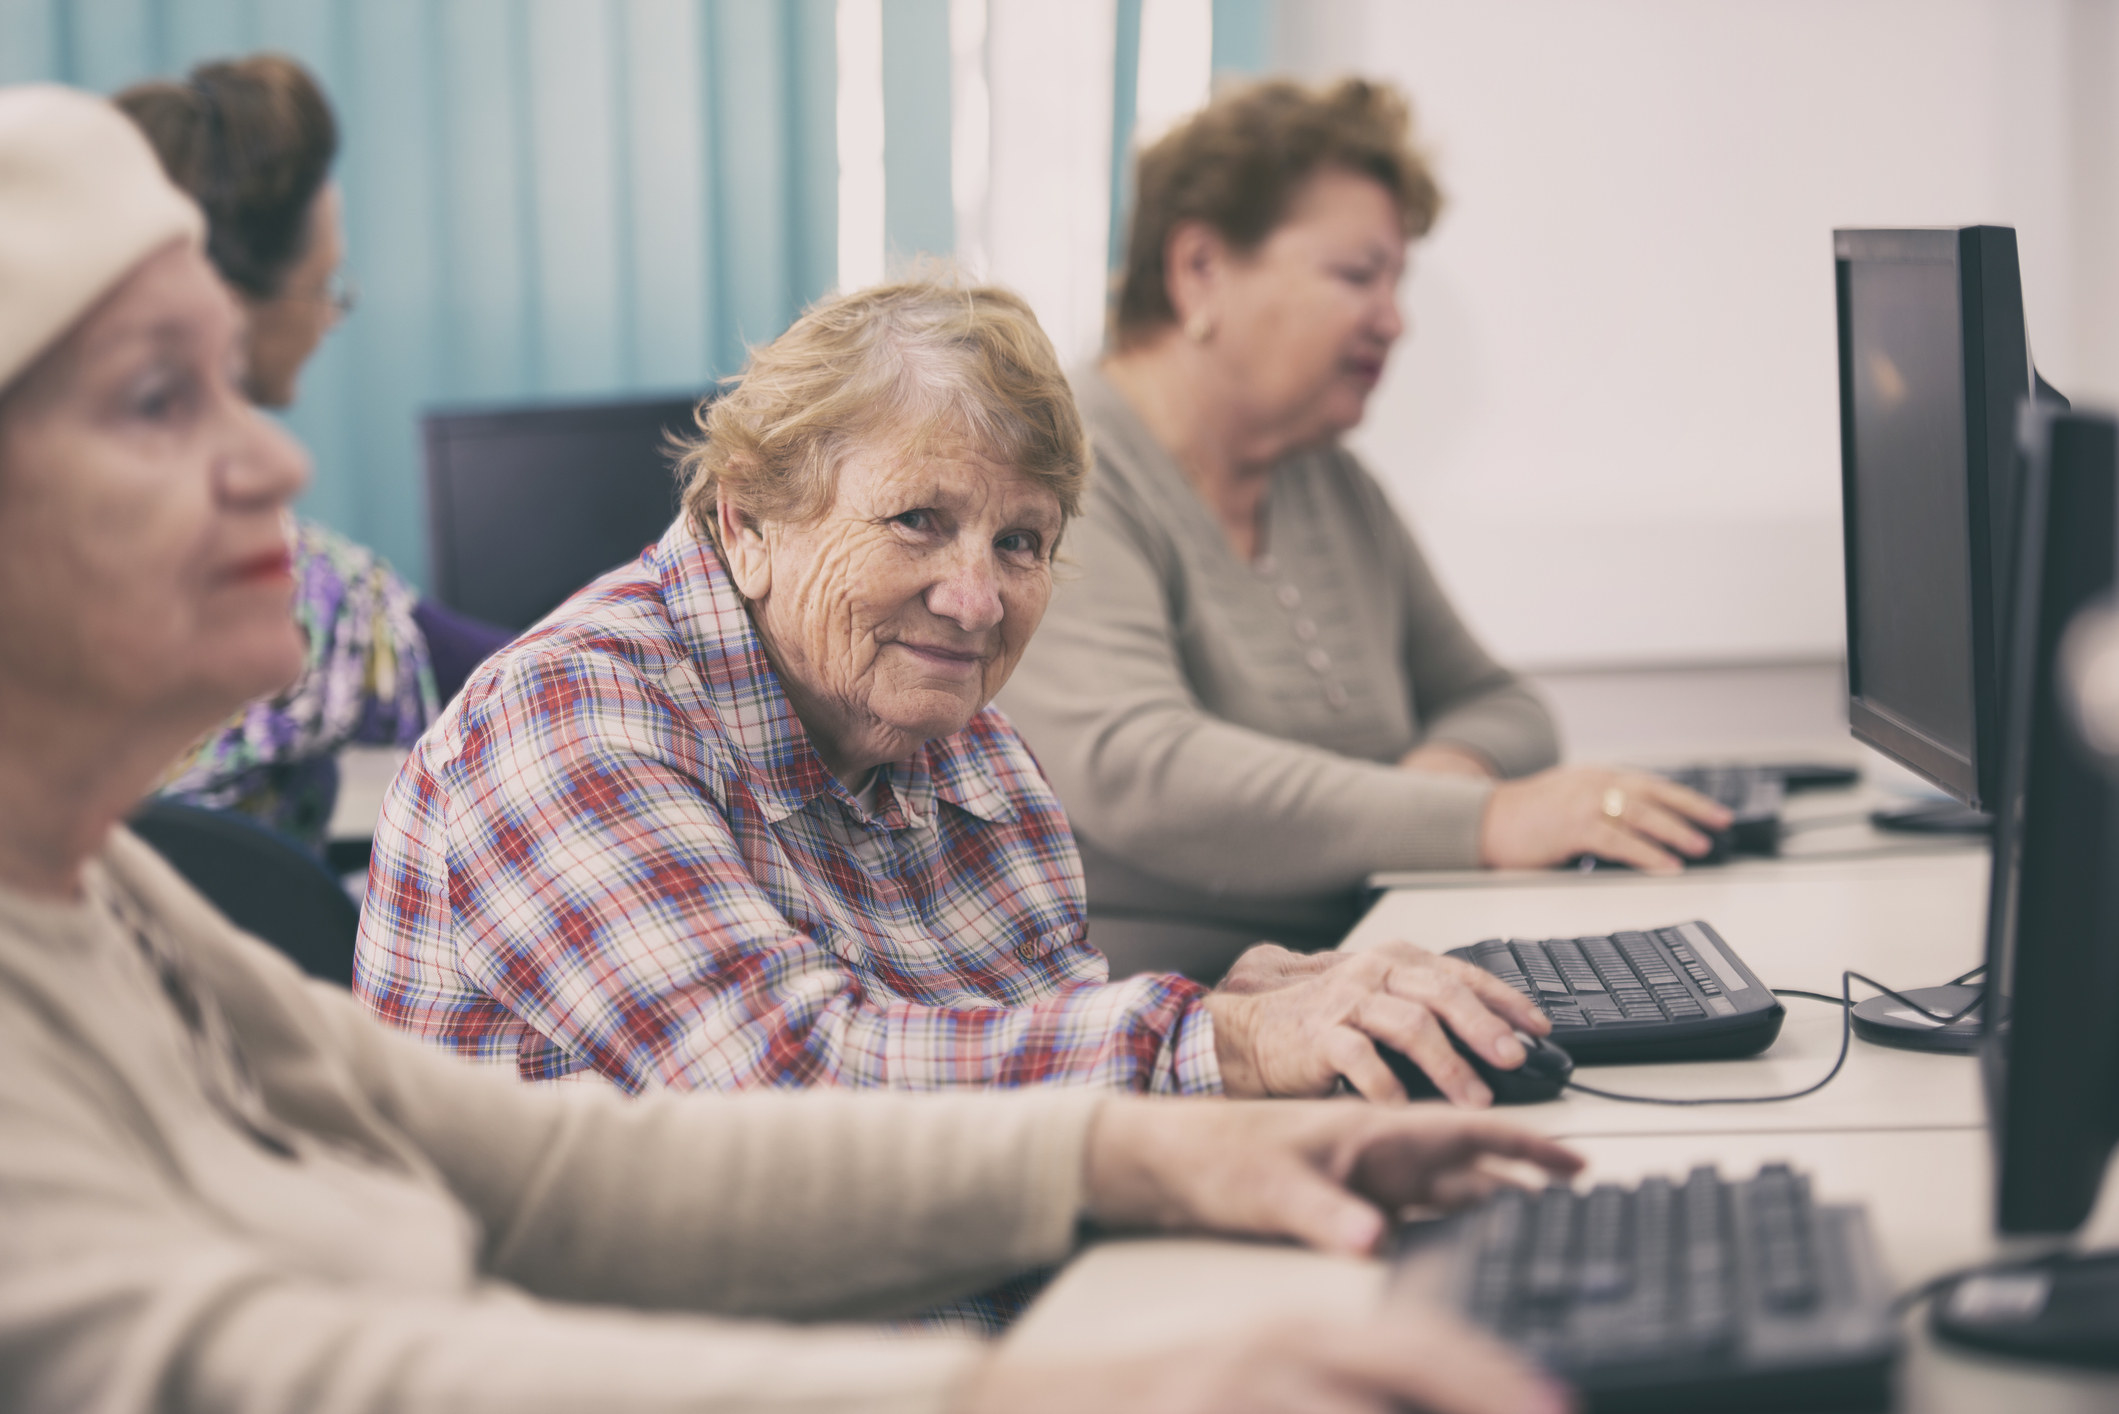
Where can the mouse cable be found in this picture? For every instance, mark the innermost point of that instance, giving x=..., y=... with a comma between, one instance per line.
x=1958, y=981
x=1845, y=1001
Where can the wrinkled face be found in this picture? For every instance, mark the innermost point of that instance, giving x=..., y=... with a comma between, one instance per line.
x=899, y=613
x=286, y=329
x=143, y=534
x=1305, y=323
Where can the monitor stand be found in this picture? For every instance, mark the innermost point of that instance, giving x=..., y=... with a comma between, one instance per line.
x=1885, y=1021
x=2062, y=1309
x=1933, y=817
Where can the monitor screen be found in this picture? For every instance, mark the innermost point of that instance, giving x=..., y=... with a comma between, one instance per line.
x=527, y=504
x=1932, y=363
x=1913, y=545
x=2049, y=1051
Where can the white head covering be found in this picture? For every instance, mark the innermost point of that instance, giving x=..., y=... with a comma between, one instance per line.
x=82, y=201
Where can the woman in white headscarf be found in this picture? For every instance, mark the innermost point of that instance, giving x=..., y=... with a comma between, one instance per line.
x=224, y=1187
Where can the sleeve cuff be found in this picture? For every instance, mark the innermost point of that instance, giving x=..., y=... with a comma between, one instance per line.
x=1194, y=1068
x=1440, y=821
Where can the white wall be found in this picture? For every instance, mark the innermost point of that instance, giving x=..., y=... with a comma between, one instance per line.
x=1615, y=422
x=1048, y=218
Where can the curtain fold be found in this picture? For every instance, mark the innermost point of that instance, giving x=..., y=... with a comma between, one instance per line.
x=544, y=198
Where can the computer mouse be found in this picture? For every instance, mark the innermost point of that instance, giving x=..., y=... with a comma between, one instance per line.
x=1542, y=1075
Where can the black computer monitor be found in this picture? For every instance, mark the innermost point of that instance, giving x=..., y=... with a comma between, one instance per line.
x=2050, y=1051
x=527, y=504
x=1932, y=364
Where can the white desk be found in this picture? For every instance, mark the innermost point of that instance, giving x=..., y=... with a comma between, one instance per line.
x=1900, y=1131
x=1907, y=921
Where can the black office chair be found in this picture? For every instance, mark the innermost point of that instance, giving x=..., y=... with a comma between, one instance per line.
x=264, y=882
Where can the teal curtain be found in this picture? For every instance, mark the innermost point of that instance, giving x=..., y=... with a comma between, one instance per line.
x=1125, y=98
x=545, y=198
x=1243, y=48
x=1244, y=37
x=919, y=213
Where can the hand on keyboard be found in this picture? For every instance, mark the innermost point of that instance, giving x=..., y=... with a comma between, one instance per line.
x=1323, y=1173
x=1631, y=817
x=1295, y=1024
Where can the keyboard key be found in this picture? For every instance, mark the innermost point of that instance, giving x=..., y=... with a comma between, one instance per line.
x=1546, y=1277
x=1605, y=1272
x=1707, y=1314
x=1779, y=1205
x=1680, y=949
x=1568, y=959
x=1538, y=967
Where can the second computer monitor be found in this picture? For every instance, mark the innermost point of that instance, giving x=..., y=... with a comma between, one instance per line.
x=2050, y=1050
x=1932, y=365
x=526, y=504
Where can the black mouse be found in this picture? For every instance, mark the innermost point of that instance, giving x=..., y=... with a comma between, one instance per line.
x=1542, y=1075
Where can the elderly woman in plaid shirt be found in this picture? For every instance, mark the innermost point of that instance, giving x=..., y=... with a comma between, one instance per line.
x=739, y=814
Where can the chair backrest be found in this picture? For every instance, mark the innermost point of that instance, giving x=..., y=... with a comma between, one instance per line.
x=527, y=504
x=264, y=883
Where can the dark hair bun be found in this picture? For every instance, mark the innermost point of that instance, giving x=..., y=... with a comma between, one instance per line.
x=252, y=141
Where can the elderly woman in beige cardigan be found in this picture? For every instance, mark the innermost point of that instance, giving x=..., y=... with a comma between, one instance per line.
x=224, y=1187
x=1252, y=693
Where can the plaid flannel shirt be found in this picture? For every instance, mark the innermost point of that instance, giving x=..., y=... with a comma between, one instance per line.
x=617, y=851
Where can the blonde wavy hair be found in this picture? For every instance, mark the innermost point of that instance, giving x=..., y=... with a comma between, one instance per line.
x=911, y=365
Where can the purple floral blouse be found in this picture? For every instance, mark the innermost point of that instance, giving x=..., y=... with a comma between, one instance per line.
x=367, y=679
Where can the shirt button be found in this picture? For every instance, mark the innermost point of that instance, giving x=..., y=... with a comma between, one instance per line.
x=1305, y=628
x=1290, y=596
x=1263, y=564
x=1319, y=660
x=1336, y=695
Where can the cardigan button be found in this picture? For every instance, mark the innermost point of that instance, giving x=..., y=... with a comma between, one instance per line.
x=1289, y=596
x=1335, y=695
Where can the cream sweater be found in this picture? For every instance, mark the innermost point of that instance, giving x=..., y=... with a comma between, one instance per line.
x=1224, y=735
x=448, y=1239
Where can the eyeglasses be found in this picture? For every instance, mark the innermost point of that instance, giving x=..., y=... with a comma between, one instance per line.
x=340, y=292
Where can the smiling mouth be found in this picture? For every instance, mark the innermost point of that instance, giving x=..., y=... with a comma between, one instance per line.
x=943, y=657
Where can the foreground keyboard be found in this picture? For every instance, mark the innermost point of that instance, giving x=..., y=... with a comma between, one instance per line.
x=1693, y=1295
x=1676, y=993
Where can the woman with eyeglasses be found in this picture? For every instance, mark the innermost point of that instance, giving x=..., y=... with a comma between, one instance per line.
x=252, y=141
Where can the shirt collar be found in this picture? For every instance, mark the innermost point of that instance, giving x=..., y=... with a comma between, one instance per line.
x=770, y=746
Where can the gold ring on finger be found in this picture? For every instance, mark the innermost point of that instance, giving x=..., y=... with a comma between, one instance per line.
x=1614, y=802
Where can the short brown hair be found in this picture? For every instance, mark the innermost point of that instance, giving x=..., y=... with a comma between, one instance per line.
x=252, y=141
x=1237, y=164
x=915, y=362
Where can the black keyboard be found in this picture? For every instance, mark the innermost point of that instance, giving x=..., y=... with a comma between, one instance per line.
x=1677, y=993
x=1704, y=1294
